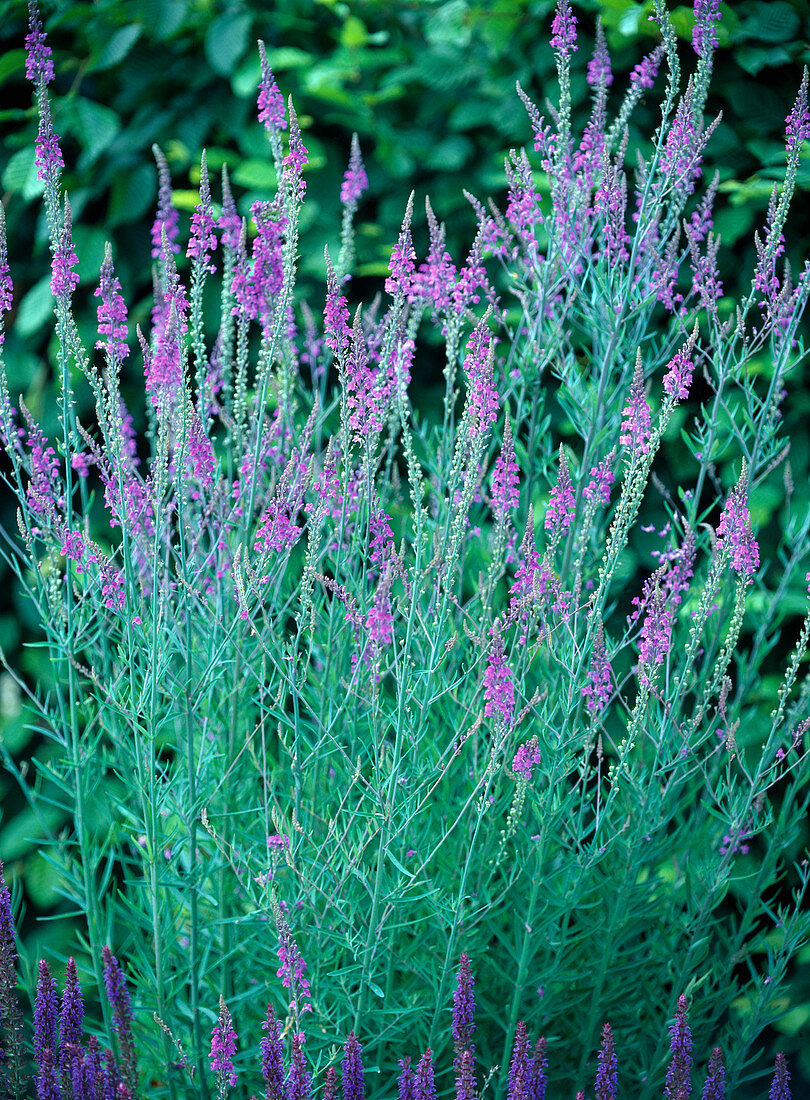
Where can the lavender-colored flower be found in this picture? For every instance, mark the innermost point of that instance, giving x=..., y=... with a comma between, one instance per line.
x=678, y=375
x=48, y=155
x=646, y=71
x=735, y=535
x=82, y=1080
x=201, y=455
x=505, y=479
x=330, y=1084
x=71, y=1015
x=6, y=289
x=607, y=1080
x=295, y=159
x=353, y=1080
x=110, y=1078
x=599, y=71
x=38, y=63
x=465, y=1079
x=112, y=312
x=402, y=265
x=13, y=1057
x=355, y=180
x=478, y=365
x=598, y=689
x=682, y=154
x=780, y=1086
x=203, y=239
x=48, y=1079
x=298, y=1085
x=564, y=29
x=463, y=1010
x=335, y=314
x=499, y=691
x=602, y=477
x=536, y=1073
x=424, y=1086
x=46, y=1014
x=229, y=223
x=560, y=512
x=715, y=1086
x=704, y=32
x=118, y=996
x=270, y=102
x=636, y=431
x=167, y=217
x=797, y=123
x=223, y=1047
x=64, y=280
x=405, y=1080
x=519, y=1064
x=527, y=755
x=293, y=968
x=678, y=1084
x=272, y=1049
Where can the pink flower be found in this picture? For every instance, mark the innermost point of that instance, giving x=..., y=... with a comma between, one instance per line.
x=560, y=514
x=505, y=479
x=499, y=691
x=564, y=29
x=355, y=180
x=636, y=431
x=525, y=758
x=735, y=535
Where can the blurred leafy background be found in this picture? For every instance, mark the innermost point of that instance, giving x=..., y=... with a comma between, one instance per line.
x=429, y=86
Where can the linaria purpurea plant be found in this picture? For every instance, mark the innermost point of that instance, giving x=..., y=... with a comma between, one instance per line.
x=346, y=681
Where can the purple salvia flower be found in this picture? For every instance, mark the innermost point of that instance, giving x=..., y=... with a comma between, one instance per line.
x=63, y=279
x=353, y=1080
x=780, y=1086
x=602, y=477
x=715, y=1087
x=82, y=1083
x=298, y=1085
x=405, y=1080
x=13, y=1057
x=223, y=1047
x=71, y=1015
x=229, y=223
x=330, y=1084
x=646, y=71
x=536, y=1075
x=424, y=1086
x=166, y=218
x=560, y=513
x=527, y=755
x=599, y=71
x=46, y=1014
x=519, y=1064
x=734, y=532
x=598, y=689
x=797, y=123
x=355, y=179
x=636, y=430
x=335, y=314
x=295, y=159
x=270, y=102
x=505, y=479
x=110, y=1078
x=203, y=239
x=47, y=1080
x=48, y=156
x=499, y=691
x=463, y=1010
x=678, y=1084
x=607, y=1081
x=465, y=1080
x=272, y=1049
x=704, y=32
x=118, y=996
x=402, y=265
x=293, y=967
x=38, y=63
x=564, y=29
x=112, y=312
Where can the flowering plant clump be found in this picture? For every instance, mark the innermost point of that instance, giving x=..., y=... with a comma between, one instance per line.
x=349, y=710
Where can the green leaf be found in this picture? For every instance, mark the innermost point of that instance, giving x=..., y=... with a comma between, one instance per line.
x=89, y=243
x=11, y=62
x=255, y=174
x=20, y=175
x=131, y=194
x=226, y=40
x=772, y=21
x=96, y=126
x=35, y=308
x=118, y=46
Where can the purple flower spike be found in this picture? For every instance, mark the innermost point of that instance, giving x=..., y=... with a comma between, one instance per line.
x=229, y=223
x=14, y=1057
x=223, y=1047
x=636, y=431
x=607, y=1081
x=355, y=180
x=505, y=479
x=203, y=239
x=525, y=758
x=46, y=1014
x=465, y=1080
x=71, y=1015
x=599, y=71
x=402, y=264
x=536, y=1086
x=295, y=159
x=63, y=279
x=780, y=1086
x=564, y=29
x=293, y=968
x=519, y=1065
x=167, y=217
x=463, y=1010
x=715, y=1087
x=678, y=1084
x=560, y=514
x=598, y=689
x=424, y=1087
x=405, y=1082
x=270, y=101
x=354, y=1086
x=678, y=376
x=272, y=1057
x=499, y=691
x=298, y=1085
x=47, y=1081
x=48, y=156
x=112, y=312
x=646, y=71
x=734, y=532
x=38, y=63
x=335, y=314
x=118, y=996
x=704, y=32
x=797, y=123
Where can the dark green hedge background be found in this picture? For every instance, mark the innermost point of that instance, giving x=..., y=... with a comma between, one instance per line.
x=430, y=89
